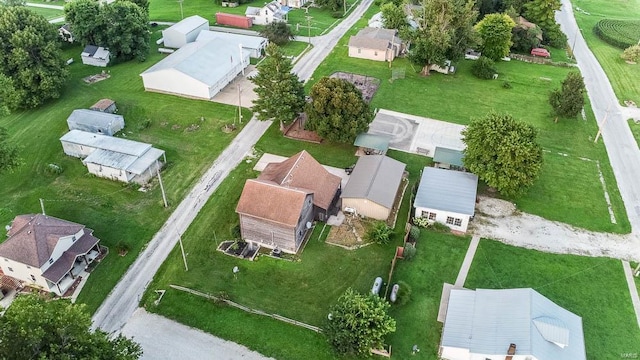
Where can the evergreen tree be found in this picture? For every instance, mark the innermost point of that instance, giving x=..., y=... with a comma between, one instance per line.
x=568, y=101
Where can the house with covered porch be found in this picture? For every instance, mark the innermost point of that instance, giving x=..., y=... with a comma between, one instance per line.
x=47, y=253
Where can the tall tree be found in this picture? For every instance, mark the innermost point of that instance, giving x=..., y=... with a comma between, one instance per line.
x=503, y=152
x=393, y=16
x=464, y=34
x=30, y=56
x=82, y=17
x=358, y=323
x=337, y=111
x=278, y=32
x=434, y=35
x=495, y=32
x=568, y=101
x=8, y=95
x=34, y=328
x=8, y=152
x=280, y=92
x=524, y=39
x=143, y=4
x=333, y=5
x=542, y=12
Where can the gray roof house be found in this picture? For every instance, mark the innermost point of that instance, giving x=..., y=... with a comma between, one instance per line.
x=373, y=186
x=95, y=56
x=497, y=324
x=375, y=44
x=197, y=70
x=446, y=196
x=114, y=158
x=95, y=121
x=185, y=31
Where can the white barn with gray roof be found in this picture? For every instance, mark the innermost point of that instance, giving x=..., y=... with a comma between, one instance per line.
x=373, y=186
x=95, y=121
x=446, y=196
x=114, y=158
x=184, y=32
x=198, y=70
x=516, y=324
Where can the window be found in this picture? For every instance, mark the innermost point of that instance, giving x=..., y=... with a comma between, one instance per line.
x=73, y=238
x=432, y=216
x=449, y=220
x=454, y=221
x=7, y=260
x=33, y=278
x=10, y=269
x=359, y=50
x=457, y=222
x=375, y=53
x=428, y=215
x=51, y=261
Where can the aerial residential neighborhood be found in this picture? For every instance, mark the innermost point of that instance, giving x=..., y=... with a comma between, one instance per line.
x=320, y=179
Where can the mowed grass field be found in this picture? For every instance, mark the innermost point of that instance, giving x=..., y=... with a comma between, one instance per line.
x=460, y=97
x=49, y=14
x=118, y=213
x=593, y=288
x=623, y=77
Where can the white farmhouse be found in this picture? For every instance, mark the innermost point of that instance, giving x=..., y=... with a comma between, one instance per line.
x=511, y=324
x=446, y=196
x=47, y=253
x=184, y=32
x=197, y=70
x=114, y=158
x=267, y=14
x=95, y=56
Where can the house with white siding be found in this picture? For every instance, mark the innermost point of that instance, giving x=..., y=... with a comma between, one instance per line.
x=184, y=32
x=511, y=324
x=373, y=186
x=47, y=253
x=114, y=158
x=197, y=70
x=270, y=12
x=375, y=44
x=446, y=196
x=95, y=56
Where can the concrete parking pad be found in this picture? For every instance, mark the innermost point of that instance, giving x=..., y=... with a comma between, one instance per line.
x=415, y=134
x=229, y=95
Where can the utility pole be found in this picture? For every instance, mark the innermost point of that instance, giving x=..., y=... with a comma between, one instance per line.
x=239, y=105
x=309, y=28
x=344, y=2
x=604, y=121
x=573, y=48
x=164, y=196
x=42, y=206
x=181, y=12
x=184, y=257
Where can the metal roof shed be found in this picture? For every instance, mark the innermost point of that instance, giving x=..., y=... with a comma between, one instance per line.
x=448, y=156
x=378, y=143
x=95, y=121
x=184, y=32
x=447, y=190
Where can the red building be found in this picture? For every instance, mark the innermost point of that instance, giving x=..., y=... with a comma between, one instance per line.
x=234, y=20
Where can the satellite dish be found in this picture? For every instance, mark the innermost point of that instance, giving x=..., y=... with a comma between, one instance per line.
x=309, y=224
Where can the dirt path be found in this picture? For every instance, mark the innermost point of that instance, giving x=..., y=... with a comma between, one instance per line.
x=499, y=220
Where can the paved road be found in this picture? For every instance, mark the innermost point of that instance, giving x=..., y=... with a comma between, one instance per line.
x=621, y=146
x=46, y=6
x=162, y=338
x=125, y=296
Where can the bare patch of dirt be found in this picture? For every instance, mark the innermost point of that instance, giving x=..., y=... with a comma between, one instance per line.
x=351, y=233
x=496, y=207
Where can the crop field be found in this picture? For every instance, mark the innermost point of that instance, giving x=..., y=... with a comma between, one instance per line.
x=619, y=33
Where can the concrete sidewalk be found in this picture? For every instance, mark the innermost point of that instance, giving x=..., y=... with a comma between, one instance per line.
x=468, y=259
x=633, y=289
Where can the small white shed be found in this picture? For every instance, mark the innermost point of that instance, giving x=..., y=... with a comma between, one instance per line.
x=95, y=122
x=95, y=56
x=446, y=196
x=184, y=32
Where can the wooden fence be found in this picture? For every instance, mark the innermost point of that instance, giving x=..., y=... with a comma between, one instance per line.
x=247, y=309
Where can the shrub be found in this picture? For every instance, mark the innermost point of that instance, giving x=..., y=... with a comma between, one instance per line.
x=483, y=68
x=54, y=169
x=632, y=53
x=404, y=293
x=409, y=251
x=618, y=33
x=145, y=124
x=337, y=14
x=506, y=85
x=421, y=222
x=440, y=227
x=554, y=37
x=235, y=232
x=414, y=233
x=122, y=248
x=380, y=233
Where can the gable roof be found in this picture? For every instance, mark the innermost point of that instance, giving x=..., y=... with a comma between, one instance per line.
x=303, y=171
x=205, y=61
x=33, y=237
x=488, y=321
x=89, y=50
x=270, y=201
x=102, y=104
x=94, y=118
x=247, y=41
x=447, y=190
x=376, y=178
x=448, y=156
x=188, y=24
x=375, y=38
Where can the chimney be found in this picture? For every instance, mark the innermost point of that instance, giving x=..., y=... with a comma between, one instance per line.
x=511, y=352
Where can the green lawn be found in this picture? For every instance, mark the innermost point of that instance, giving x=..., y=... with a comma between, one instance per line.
x=116, y=212
x=623, y=77
x=294, y=48
x=459, y=97
x=635, y=130
x=593, y=288
x=169, y=10
x=49, y=14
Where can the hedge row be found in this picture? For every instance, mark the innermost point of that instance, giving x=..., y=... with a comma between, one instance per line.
x=619, y=33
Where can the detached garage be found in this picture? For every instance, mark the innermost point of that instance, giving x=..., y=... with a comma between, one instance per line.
x=197, y=70
x=184, y=32
x=373, y=186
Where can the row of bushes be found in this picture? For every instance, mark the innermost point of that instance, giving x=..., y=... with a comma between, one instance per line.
x=618, y=33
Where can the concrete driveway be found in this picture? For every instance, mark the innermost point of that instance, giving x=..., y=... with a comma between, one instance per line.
x=229, y=95
x=415, y=134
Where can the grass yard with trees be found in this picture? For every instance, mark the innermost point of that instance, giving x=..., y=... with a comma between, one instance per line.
x=593, y=288
x=118, y=213
x=459, y=97
x=623, y=77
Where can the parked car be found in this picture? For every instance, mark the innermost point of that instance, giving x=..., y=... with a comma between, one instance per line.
x=540, y=52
